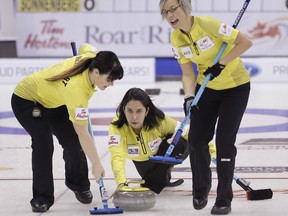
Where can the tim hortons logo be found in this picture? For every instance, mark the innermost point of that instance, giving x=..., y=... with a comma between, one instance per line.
x=112, y=140
x=82, y=114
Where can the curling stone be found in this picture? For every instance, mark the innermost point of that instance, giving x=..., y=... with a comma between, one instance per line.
x=134, y=199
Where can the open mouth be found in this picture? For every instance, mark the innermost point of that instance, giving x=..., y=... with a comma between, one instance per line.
x=173, y=23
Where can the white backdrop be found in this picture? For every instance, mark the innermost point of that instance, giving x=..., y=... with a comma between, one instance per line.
x=134, y=29
x=7, y=21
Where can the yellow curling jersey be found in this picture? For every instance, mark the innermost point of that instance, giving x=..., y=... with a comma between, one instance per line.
x=201, y=46
x=124, y=143
x=74, y=92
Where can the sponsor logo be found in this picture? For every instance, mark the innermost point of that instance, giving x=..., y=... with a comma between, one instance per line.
x=205, y=43
x=280, y=70
x=49, y=6
x=225, y=29
x=144, y=35
x=273, y=29
x=154, y=144
x=187, y=52
x=81, y=113
x=133, y=151
x=114, y=140
x=49, y=36
x=175, y=53
x=252, y=69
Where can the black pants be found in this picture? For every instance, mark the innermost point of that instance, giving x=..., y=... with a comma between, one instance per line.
x=156, y=175
x=52, y=121
x=226, y=106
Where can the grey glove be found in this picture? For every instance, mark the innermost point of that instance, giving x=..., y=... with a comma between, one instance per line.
x=187, y=104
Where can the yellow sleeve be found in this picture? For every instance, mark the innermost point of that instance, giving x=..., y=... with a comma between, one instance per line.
x=212, y=149
x=117, y=147
x=76, y=93
x=219, y=29
x=171, y=125
x=77, y=106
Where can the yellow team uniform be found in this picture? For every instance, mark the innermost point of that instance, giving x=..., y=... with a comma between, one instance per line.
x=73, y=92
x=205, y=38
x=124, y=144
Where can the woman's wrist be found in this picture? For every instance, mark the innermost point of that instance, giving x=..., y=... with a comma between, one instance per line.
x=189, y=95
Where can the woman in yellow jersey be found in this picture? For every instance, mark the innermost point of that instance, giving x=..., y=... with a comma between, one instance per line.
x=198, y=39
x=140, y=130
x=54, y=101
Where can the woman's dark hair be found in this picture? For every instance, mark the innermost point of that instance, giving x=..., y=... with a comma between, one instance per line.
x=154, y=114
x=105, y=61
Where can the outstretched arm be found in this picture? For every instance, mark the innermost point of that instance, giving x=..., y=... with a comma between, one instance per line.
x=87, y=144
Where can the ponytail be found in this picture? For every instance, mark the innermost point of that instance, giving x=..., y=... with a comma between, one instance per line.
x=77, y=69
x=106, y=62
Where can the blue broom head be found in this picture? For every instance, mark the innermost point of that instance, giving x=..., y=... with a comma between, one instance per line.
x=106, y=211
x=165, y=159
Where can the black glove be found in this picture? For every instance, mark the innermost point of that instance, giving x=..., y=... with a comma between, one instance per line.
x=186, y=106
x=215, y=70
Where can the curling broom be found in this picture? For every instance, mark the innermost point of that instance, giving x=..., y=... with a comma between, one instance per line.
x=103, y=192
x=251, y=194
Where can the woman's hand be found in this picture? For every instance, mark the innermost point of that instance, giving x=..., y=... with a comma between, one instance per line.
x=98, y=171
x=215, y=70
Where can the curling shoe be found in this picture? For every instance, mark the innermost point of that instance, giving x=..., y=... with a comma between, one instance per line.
x=199, y=203
x=175, y=183
x=39, y=207
x=223, y=210
x=84, y=197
